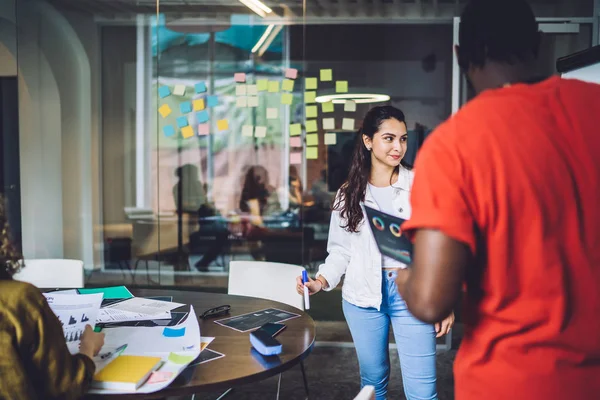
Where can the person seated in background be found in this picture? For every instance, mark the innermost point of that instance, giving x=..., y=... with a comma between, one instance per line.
x=36, y=363
x=258, y=197
x=296, y=191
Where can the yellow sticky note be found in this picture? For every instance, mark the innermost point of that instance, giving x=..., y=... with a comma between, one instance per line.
x=327, y=107
x=326, y=75
x=310, y=84
x=309, y=97
x=252, y=101
x=240, y=90
x=287, y=85
x=222, y=125
x=312, y=153
x=187, y=132
x=311, y=125
x=311, y=111
x=198, y=104
x=328, y=123
x=241, y=102
x=251, y=90
x=350, y=106
x=262, y=84
x=247, y=130
x=348, y=124
x=286, y=98
x=272, y=113
x=260, y=131
x=330, y=139
x=295, y=130
x=273, y=86
x=341, y=86
x=312, y=139
x=164, y=110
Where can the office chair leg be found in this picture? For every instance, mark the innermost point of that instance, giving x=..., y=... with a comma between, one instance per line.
x=304, y=378
x=278, y=387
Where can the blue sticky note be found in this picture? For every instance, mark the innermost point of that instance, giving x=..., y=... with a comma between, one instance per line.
x=200, y=87
x=164, y=91
x=174, y=332
x=182, y=122
x=202, y=116
x=212, y=101
x=168, y=130
x=186, y=107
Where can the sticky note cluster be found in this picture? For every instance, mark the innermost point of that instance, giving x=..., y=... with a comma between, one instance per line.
x=256, y=131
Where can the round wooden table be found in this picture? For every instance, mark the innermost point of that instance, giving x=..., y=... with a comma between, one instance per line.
x=241, y=363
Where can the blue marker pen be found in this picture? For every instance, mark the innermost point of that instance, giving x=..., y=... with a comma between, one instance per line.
x=306, y=295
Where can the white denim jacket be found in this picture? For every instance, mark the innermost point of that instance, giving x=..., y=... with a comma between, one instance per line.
x=357, y=255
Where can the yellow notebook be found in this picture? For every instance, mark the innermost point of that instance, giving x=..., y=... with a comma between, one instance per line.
x=126, y=372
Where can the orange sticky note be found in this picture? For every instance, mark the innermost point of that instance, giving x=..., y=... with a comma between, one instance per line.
x=222, y=125
x=187, y=132
x=296, y=142
x=198, y=104
x=239, y=77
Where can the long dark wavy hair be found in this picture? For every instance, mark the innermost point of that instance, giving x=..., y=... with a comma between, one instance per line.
x=352, y=192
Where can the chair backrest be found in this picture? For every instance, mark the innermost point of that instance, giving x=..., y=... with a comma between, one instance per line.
x=266, y=280
x=367, y=393
x=52, y=273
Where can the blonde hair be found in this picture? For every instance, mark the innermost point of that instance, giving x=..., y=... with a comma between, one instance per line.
x=10, y=256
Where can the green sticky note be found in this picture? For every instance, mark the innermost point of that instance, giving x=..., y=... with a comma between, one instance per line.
x=311, y=125
x=312, y=153
x=327, y=107
x=262, y=85
x=311, y=111
x=286, y=98
x=295, y=129
x=341, y=87
x=310, y=84
x=113, y=292
x=326, y=75
x=309, y=97
x=179, y=359
x=287, y=85
x=312, y=139
x=273, y=86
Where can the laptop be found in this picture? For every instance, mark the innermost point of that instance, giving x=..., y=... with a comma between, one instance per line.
x=388, y=236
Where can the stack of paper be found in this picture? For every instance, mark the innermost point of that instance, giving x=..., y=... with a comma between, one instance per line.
x=137, y=309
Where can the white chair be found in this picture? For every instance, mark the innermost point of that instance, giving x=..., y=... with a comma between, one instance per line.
x=270, y=281
x=367, y=393
x=52, y=273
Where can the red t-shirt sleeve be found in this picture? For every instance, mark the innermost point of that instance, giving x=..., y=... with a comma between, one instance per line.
x=440, y=189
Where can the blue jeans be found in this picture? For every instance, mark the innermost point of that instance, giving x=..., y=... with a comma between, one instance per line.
x=415, y=340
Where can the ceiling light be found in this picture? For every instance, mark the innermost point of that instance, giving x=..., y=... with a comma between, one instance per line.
x=359, y=98
x=269, y=40
x=257, y=6
x=262, y=39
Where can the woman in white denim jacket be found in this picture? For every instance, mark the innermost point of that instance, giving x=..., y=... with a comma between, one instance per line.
x=379, y=179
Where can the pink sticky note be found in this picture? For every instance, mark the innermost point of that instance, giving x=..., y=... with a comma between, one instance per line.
x=295, y=142
x=295, y=158
x=291, y=73
x=203, y=129
x=160, y=376
x=239, y=77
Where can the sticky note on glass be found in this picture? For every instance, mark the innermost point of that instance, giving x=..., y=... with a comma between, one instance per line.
x=239, y=77
x=253, y=101
x=312, y=139
x=310, y=83
x=328, y=123
x=350, y=106
x=240, y=90
x=311, y=111
x=180, y=359
x=222, y=125
x=164, y=110
x=202, y=116
x=203, y=129
x=187, y=132
x=341, y=86
x=247, y=130
x=348, y=124
x=200, y=87
x=287, y=85
x=260, y=131
x=296, y=158
x=291, y=73
x=179, y=90
x=296, y=142
x=198, y=104
x=251, y=90
x=312, y=153
x=327, y=107
x=212, y=101
x=326, y=75
x=309, y=97
x=241, y=102
x=185, y=107
x=272, y=113
x=164, y=91
x=168, y=130
x=182, y=121
x=287, y=98
x=262, y=85
x=273, y=86
x=295, y=130
x=311, y=125
x=330, y=139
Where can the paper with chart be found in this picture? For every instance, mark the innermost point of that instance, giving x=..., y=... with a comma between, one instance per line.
x=141, y=305
x=74, y=311
x=109, y=315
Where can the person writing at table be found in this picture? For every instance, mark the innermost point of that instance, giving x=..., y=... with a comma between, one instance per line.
x=378, y=178
x=35, y=362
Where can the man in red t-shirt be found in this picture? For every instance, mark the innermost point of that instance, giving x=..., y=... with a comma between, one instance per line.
x=506, y=199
